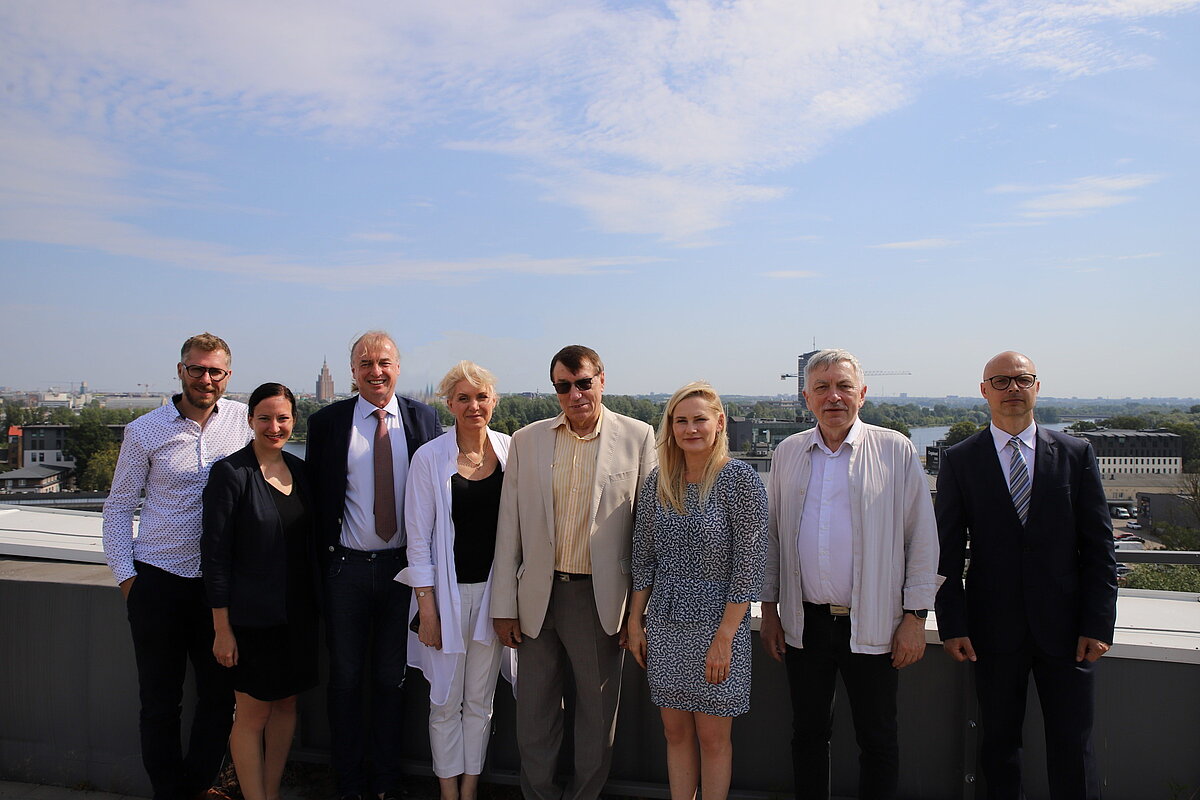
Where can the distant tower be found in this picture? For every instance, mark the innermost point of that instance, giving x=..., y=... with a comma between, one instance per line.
x=801, y=364
x=324, y=384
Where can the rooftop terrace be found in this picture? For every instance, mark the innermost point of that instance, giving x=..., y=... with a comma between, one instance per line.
x=68, y=696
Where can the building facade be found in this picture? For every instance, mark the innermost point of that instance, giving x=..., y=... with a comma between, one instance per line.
x=1127, y=452
x=324, y=384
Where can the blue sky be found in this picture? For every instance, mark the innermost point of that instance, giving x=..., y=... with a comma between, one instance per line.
x=695, y=189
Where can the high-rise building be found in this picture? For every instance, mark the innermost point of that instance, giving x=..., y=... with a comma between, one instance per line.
x=324, y=384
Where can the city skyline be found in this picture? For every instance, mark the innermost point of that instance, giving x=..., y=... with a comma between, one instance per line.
x=695, y=189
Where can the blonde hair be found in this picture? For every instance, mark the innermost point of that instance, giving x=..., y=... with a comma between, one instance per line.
x=672, y=485
x=467, y=371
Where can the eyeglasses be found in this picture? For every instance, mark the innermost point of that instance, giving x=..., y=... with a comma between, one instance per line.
x=583, y=384
x=215, y=373
x=1002, y=382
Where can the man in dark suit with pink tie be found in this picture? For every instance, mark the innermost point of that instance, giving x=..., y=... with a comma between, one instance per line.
x=357, y=462
x=1040, y=593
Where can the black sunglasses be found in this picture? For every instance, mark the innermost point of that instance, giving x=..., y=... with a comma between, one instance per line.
x=583, y=384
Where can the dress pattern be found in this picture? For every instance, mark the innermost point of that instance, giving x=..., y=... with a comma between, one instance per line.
x=694, y=564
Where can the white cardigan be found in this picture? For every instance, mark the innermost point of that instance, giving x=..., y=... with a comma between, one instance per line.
x=430, y=531
x=895, y=536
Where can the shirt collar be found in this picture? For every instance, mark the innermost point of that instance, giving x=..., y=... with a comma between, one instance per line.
x=1027, y=436
x=561, y=422
x=364, y=409
x=851, y=438
x=175, y=398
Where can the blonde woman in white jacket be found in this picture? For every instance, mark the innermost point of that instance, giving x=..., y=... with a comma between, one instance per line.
x=451, y=502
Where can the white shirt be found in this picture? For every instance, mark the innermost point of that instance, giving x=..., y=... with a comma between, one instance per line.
x=895, y=536
x=1028, y=437
x=166, y=456
x=826, y=537
x=358, y=520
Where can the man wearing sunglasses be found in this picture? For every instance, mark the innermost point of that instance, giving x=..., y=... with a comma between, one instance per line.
x=1041, y=587
x=561, y=574
x=166, y=456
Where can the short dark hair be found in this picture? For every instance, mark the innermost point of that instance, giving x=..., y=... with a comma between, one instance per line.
x=205, y=342
x=572, y=357
x=269, y=390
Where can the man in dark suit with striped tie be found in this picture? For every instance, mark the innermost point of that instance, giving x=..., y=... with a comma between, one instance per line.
x=1040, y=593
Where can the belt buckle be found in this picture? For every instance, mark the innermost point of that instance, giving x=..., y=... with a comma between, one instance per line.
x=565, y=577
x=839, y=611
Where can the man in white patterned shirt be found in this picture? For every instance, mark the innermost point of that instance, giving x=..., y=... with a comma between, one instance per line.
x=166, y=456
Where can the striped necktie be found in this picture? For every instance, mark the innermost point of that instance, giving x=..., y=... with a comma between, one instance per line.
x=1019, y=485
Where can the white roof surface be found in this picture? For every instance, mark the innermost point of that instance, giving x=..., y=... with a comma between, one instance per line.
x=52, y=533
x=1157, y=626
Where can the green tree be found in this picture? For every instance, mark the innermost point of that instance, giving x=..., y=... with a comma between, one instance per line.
x=1125, y=422
x=87, y=436
x=1083, y=425
x=1164, y=578
x=97, y=476
x=1047, y=415
x=961, y=430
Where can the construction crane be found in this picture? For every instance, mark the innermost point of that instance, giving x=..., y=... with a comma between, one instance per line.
x=802, y=362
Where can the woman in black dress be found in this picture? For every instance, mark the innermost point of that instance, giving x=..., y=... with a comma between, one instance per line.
x=260, y=579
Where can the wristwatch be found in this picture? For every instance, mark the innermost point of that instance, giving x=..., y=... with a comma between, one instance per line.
x=919, y=613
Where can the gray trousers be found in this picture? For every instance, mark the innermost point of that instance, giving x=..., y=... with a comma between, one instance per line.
x=571, y=639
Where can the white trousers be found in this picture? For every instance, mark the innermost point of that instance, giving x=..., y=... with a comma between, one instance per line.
x=458, y=730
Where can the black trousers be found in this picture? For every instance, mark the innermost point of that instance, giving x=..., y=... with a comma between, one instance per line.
x=871, y=684
x=171, y=624
x=366, y=615
x=1066, y=690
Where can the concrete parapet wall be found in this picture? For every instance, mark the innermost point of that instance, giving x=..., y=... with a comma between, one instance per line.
x=68, y=711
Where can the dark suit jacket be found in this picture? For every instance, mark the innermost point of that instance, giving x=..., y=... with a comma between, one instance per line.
x=328, y=448
x=1054, y=579
x=242, y=549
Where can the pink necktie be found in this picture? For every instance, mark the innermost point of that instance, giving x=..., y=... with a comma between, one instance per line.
x=385, y=485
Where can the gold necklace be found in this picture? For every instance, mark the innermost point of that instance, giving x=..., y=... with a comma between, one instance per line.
x=475, y=466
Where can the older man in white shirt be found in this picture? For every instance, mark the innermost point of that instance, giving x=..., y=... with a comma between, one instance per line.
x=851, y=573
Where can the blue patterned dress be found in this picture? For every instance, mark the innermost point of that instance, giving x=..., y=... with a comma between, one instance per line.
x=694, y=564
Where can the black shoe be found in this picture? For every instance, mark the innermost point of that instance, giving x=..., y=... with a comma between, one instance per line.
x=393, y=794
x=351, y=797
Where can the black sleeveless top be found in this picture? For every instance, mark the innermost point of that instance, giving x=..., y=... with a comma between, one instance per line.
x=475, y=507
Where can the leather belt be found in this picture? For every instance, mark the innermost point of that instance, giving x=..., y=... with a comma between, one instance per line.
x=830, y=609
x=567, y=577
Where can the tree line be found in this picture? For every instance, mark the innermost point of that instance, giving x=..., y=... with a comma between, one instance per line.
x=94, y=448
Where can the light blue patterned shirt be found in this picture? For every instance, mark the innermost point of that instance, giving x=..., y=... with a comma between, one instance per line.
x=166, y=457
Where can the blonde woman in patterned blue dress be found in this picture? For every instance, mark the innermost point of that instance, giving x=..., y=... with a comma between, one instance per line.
x=699, y=549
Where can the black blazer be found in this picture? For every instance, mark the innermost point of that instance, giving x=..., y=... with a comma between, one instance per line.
x=1054, y=579
x=242, y=550
x=329, y=447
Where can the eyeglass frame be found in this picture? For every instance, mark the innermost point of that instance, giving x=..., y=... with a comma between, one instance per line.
x=209, y=371
x=582, y=384
x=1009, y=380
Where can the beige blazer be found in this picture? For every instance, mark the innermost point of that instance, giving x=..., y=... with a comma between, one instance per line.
x=523, y=572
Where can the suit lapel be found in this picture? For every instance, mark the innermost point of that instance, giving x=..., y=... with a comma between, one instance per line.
x=992, y=475
x=545, y=468
x=604, y=465
x=1044, y=457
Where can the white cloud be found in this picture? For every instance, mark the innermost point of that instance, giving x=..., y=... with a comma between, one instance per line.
x=1078, y=197
x=789, y=274
x=916, y=244
x=659, y=120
